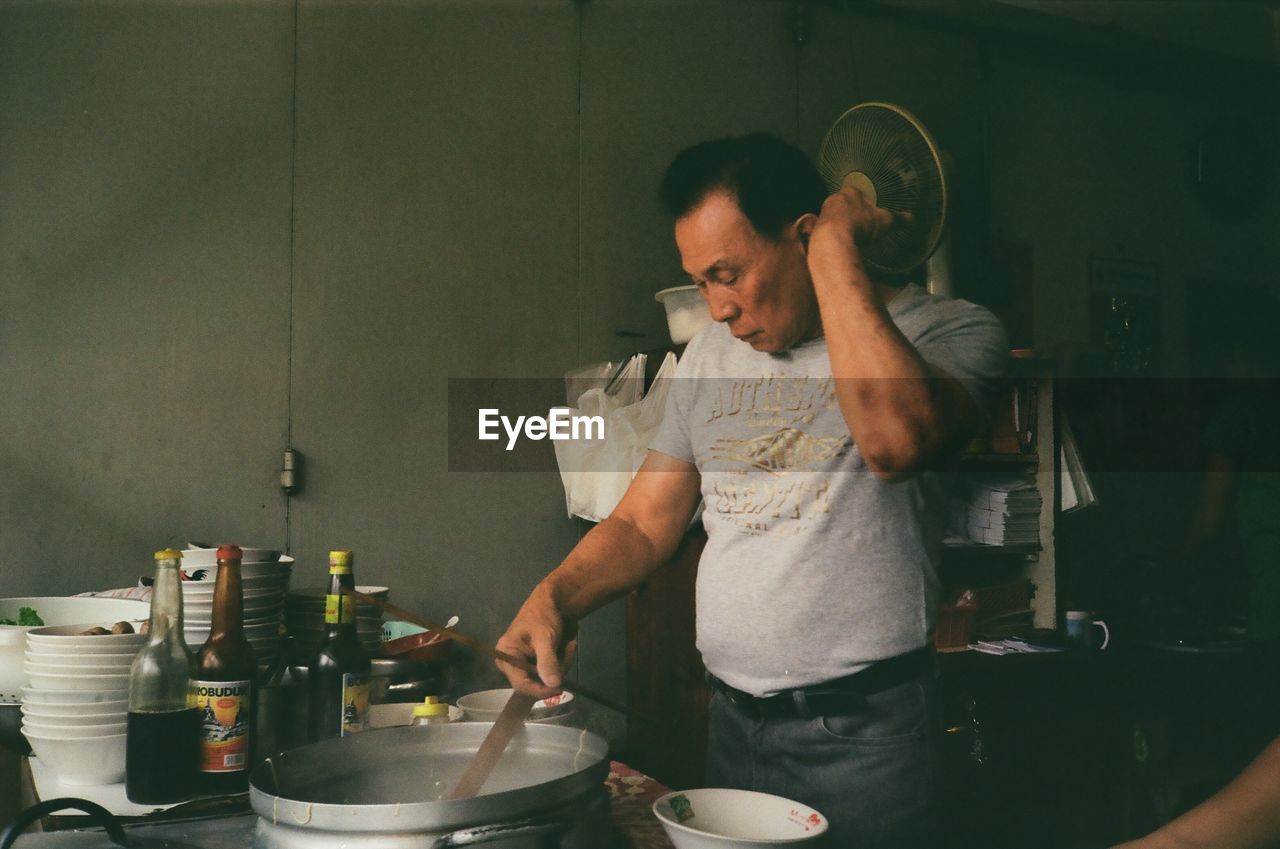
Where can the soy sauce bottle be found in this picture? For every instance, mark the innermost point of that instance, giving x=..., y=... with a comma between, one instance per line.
x=223, y=689
x=338, y=675
x=162, y=749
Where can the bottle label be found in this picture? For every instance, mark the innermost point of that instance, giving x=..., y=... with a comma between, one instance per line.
x=339, y=610
x=224, y=724
x=355, y=703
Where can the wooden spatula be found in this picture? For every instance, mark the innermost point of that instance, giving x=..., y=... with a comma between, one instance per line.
x=513, y=715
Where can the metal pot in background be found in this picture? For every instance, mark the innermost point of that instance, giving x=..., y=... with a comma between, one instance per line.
x=398, y=680
x=392, y=680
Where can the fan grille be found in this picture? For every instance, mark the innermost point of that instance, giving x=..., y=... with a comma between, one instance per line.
x=891, y=150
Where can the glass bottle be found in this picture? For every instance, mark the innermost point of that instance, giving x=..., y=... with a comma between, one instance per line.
x=162, y=750
x=223, y=689
x=338, y=676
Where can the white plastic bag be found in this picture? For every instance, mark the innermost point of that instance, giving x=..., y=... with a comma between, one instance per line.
x=596, y=473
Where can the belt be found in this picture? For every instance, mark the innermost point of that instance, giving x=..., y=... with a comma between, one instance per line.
x=830, y=698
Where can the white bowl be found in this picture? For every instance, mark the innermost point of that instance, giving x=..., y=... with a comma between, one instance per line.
x=69, y=698
x=209, y=556
x=251, y=598
x=717, y=818
x=485, y=705
x=251, y=629
x=75, y=732
x=109, y=649
x=59, y=681
x=260, y=573
x=687, y=312
x=68, y=665
x=259, y=605
x=52, y=726
x=207, y=576
x=67, y=610
x=68, y=638
x=255, y=616
x=80, y=658
x=271, y=620
x=86, y=761
x=80, y=713
x=195, y=591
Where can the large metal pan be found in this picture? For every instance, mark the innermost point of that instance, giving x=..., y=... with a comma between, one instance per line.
x=387, y=787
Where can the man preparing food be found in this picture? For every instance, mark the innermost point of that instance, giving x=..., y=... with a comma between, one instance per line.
x=808, y=419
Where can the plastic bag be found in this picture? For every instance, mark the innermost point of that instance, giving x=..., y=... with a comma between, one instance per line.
x=596, y=472
x=595, y=376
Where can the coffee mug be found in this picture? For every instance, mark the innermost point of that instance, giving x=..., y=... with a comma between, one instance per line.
x=1080, y=624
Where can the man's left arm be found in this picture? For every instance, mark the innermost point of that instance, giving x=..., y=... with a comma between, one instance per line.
x=902, y=411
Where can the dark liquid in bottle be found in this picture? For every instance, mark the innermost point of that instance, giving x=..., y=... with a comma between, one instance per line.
x=162, y=756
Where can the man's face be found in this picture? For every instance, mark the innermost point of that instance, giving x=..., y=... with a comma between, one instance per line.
x=759, y=287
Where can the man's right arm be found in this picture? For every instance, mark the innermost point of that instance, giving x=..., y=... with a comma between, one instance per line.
x=613, y=558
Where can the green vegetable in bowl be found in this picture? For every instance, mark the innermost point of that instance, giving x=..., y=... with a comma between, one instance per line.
x=27, y=617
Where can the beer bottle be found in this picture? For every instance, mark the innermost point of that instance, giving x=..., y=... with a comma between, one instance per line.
x=338, y=677
x=162, y=750
x=225, y=672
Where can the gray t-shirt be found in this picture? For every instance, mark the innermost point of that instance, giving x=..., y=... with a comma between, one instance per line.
x=813, y=567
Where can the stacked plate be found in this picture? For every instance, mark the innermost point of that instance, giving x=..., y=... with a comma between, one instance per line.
x=75, y=706
x=304, y=619
x=264, y=579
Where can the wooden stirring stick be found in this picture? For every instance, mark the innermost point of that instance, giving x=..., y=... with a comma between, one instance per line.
x=513, y=715
x=484, y=648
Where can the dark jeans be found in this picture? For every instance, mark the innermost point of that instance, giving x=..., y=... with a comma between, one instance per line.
x=870, y=773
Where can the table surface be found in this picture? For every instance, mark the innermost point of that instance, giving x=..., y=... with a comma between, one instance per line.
x=631, y=796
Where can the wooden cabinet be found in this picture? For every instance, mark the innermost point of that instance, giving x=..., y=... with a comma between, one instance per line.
x=1035, y=750
x=666, y=688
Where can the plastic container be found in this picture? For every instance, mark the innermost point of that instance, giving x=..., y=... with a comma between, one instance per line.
x=687, y=312
x=431, y=712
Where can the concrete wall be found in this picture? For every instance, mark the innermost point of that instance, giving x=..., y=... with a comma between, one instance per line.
x=230, y=227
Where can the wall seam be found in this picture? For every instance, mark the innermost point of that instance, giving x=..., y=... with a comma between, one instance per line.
x=293, y=195
x=578, y=234
x=580, y=8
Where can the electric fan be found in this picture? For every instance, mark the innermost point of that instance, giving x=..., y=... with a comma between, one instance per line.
x=886, y=153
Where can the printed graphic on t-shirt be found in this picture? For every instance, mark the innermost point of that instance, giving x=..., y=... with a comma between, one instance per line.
x=768, y=418
x=772, y=401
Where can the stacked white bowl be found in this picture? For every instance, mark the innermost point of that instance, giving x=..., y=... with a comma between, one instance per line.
x=304, y=618
x=75, y=706
x=264, y=578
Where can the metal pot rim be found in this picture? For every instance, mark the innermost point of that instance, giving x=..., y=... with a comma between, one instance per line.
x=587, y=753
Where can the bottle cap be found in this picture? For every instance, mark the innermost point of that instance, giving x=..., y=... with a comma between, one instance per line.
x=339, y=561
x=426, y=709
x=168, y=554
x=229, y=552
x=431, y=700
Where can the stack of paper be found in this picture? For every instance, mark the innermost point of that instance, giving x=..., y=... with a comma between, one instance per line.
x=1010, y=646
x=1005, y=512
